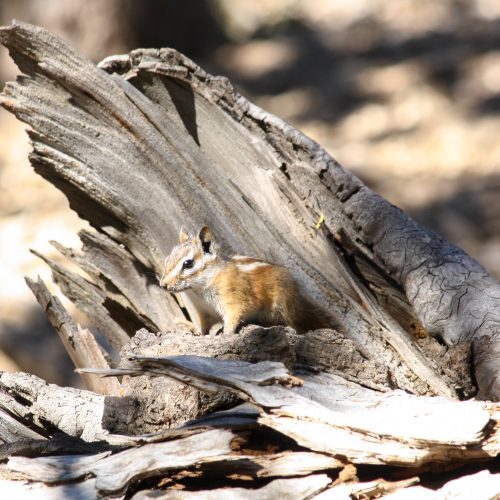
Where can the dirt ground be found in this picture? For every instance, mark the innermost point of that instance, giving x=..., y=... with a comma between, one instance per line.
x=406, y=94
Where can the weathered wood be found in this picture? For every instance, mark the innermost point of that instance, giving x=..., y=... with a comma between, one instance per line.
x=280, y=488
x=164, y=403
x=89, y=298
x=394, y=428
x=286, y=464
x=327, y=350
x=335, y=417
x=208, y=374
x=159, y=143
x=157, y=459
x=482, y=485
x=12, y=430
x=59, y=444
x=253, y=343
x=80, y=344
x=114, y=473
x=47, y=408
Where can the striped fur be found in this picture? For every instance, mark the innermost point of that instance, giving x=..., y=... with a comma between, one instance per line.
x=241, y=289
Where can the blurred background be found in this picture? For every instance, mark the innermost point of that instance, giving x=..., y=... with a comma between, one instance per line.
x=405, y=93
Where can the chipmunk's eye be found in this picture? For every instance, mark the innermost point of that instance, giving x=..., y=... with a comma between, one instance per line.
x=188, y=264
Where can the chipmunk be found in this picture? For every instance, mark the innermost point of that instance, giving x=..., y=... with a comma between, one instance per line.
x=240, y=289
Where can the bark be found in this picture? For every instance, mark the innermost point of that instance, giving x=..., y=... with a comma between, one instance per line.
x=164, y=403
x=156, y=143
x=45, y=407
x=330, y=429
x=394, y=429
x=149, y=142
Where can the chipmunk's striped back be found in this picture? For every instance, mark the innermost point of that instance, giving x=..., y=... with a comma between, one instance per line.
x=241, y=289
x=248, y=264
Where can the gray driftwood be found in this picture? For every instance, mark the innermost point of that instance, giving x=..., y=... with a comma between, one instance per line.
x=80, y=344
x=359, y=424
x=279, y=488
x=45, y=408
x=350, y=424
x=115, y=472
x=148, y=142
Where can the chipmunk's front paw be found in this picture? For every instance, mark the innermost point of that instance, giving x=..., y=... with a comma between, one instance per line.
x=232, y=328
x=188, y=325
x=217, y=329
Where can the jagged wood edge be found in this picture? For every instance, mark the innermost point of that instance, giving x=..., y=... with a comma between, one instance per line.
x=80, y=343
x=452, y=295
x=395, y=428
x=330, y=171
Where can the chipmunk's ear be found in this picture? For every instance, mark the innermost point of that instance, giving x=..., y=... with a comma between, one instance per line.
x=205, y=237
x=183, y=235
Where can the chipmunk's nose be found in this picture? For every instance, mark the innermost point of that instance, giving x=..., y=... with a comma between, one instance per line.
x=168, y=286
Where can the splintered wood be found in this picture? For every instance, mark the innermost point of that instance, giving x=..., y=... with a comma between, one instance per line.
x=147, y=142
x=341, y=424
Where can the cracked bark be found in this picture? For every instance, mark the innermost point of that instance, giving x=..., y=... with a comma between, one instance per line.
x=149, y=142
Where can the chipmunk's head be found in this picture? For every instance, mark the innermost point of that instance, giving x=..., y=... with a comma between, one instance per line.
x=190, y=263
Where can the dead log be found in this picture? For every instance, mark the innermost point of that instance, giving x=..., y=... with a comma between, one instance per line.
x=154, y=142
x=45, y=407
x=392, y=429
x=80, y=344
x=347, y=425
x=147, y=142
